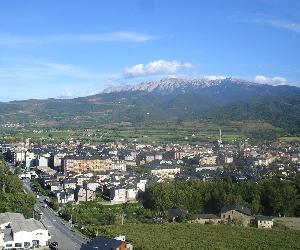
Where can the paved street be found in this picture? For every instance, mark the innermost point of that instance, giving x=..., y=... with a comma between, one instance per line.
x=60, y=231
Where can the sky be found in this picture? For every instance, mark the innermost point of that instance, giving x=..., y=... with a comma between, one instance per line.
x=70, y=48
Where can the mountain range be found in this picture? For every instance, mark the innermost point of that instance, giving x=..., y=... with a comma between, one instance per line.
x=169, y=100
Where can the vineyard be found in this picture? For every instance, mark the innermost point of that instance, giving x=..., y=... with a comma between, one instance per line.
x=194, y=236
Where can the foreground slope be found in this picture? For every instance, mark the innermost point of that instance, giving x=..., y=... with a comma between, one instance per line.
x=195, y=236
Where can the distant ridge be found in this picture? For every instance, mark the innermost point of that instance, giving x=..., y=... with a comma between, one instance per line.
x=166, y=101
x=170, y=85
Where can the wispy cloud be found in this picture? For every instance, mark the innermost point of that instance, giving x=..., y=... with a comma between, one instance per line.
x=263, y=19
x=159, y=67
x=119, y=36
x=38, y=70
x=279, y=23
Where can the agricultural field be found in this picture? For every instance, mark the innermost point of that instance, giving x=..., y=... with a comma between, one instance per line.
x=194, y=236
x=186, y=132
x=290, y=222
x=158, y=134
x=290, y=139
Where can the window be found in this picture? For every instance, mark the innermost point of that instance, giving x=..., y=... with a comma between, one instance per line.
x=18, y=244
x=8, y=245
x=26, y=244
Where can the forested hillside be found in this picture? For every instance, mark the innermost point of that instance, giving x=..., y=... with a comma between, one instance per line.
x=166, y=101
x=12, y=196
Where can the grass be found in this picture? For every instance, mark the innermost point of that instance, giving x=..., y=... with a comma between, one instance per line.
x=195, y=236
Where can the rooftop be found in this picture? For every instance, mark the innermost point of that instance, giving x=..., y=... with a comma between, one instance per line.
x=11, y=217
x=28, y=225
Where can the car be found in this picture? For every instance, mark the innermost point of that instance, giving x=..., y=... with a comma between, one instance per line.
x=53, y=245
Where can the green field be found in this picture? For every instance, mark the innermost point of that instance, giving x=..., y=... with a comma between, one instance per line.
x=159, y=134
x=290, y=139
x=186, y=132
x=194, y=236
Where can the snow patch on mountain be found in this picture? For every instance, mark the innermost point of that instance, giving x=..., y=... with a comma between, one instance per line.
x=178, y=85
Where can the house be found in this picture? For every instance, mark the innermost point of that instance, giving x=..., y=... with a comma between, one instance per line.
x=206, y=219
x=92, y=185
x=65, y=196
x=117, y=194
x=20, y=233
x=80, y=164
x=208, y=167
x=119, y=165
x=237, y=213
x=8, y=218
x=43, y=160
x=69, y=183
x=82, y=194
x=179, y=155
x=131, y=193
x=164, y=169
x=53, y=185
x=208, y=160
x=104, y=243
x=30, y=160
x=263, y=221
x=175, y=213
x=141, y=185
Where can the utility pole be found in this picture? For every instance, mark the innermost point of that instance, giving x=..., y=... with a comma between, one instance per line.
x=3, y=186
x=122, y=219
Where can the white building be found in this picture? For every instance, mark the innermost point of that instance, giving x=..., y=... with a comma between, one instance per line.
x=141, y=185
x=43, y=160
x=30, y=160
x=165, y=171
x=131, y=194
x=18, y=233
x=19, y=155
x=119, y=165
x=264, y=221
x=118, y=194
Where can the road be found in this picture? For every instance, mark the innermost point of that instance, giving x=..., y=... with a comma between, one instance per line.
x=60, y=230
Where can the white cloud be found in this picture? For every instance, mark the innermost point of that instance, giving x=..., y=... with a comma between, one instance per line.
x=33, y=70
x=119, y=36
x=159, y=67
x=66, y=94
x=276, y=80
x=284, y=24
x=263, y=19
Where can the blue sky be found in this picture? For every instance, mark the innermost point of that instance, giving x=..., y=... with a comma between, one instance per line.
x=66, y=48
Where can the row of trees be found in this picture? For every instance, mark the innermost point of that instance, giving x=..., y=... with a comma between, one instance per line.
x=93, y=213
x=12, y=196
x=270, y=197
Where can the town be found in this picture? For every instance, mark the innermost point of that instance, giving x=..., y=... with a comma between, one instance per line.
x=116, y=173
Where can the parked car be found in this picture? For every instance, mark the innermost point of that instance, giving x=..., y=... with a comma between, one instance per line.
x=53, y=245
